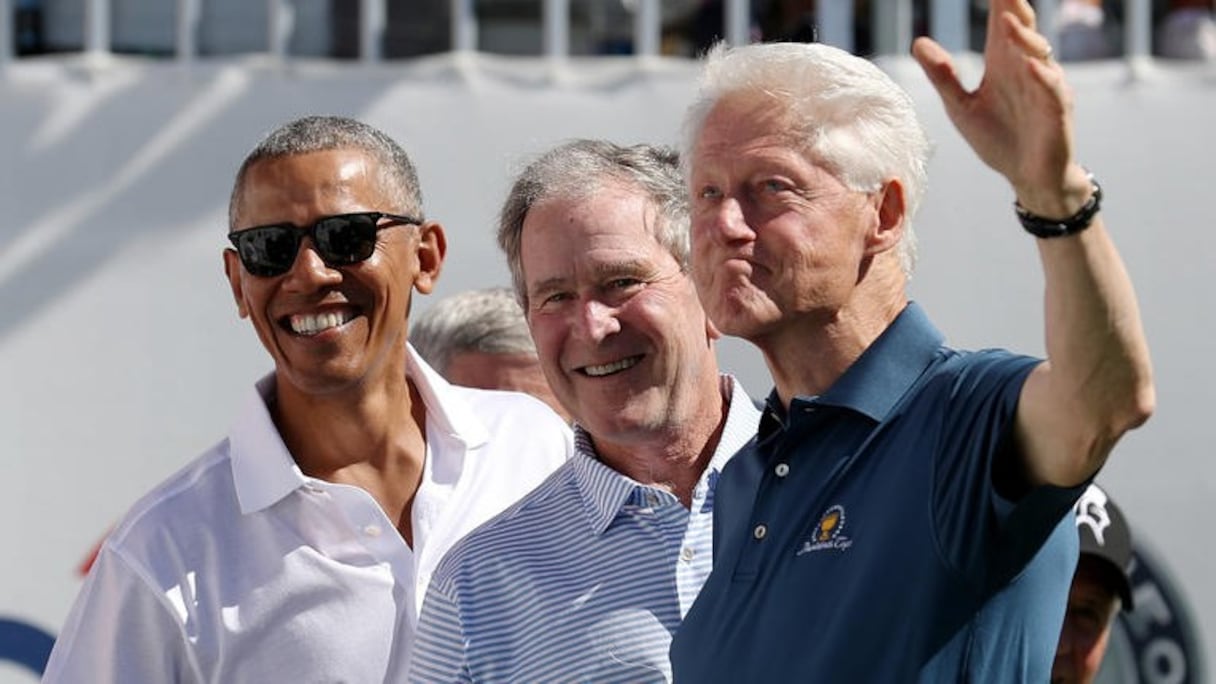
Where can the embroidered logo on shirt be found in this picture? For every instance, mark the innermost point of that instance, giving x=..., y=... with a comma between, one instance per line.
x=827, y=535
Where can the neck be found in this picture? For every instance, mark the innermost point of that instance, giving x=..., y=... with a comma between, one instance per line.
x=372, y=438
x=674, y=457
x=807, y=355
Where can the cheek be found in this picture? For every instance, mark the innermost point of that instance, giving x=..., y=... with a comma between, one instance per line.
x=1095, y=651
x=546, y=334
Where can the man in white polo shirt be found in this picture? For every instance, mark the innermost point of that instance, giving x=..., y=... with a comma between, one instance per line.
x=589, y=575
x=298, y=549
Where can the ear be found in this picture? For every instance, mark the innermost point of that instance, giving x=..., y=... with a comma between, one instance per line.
x=232, y=268
x=711, y=331
x=889, y=210
x=432, y=247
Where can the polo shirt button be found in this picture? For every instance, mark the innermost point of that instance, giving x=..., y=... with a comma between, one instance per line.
x=372, y=530
x=782, y=469
x=687, y=553
x=652, y=499
x=760, y=531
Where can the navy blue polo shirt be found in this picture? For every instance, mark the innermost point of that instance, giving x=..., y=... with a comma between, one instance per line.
x=860, y=539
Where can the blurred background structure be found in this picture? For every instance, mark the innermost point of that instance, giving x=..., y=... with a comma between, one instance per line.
x=122, y=123
x=389, y=29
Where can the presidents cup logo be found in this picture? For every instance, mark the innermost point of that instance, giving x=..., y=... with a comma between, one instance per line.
x=1091, y=511
x=828, y=533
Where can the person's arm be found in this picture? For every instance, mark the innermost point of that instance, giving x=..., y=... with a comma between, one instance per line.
x=1097, y=381
x=120, y=631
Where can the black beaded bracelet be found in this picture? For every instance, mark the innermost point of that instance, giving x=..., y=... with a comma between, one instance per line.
x=1052, y=228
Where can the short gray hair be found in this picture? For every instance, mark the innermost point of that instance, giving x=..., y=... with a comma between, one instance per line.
x=846, y=114
x=579, y=168
x=398, y=178
x=487, y=321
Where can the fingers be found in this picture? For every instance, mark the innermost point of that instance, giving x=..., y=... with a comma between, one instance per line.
x=1018, y=9
x=998, y=10
x=1032, y=43
x=935, y=61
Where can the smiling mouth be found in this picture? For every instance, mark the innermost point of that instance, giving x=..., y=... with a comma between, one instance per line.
x=314, y=324
x=611, y=368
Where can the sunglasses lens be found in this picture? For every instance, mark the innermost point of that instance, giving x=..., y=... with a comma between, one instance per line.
x=345, y=240
x=270, y=250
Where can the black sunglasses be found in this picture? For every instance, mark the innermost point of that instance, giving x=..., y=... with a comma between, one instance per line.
x=340, y=240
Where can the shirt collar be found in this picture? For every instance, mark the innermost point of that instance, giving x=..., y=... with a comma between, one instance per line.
x=881, y=375
x=742, y=417
x=604, y=491
x=264, y=471
x=446, y=411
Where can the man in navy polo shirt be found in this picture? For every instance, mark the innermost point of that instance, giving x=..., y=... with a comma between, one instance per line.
x=904, y=514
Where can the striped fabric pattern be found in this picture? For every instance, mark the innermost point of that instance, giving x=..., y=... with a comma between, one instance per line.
x=585, y=579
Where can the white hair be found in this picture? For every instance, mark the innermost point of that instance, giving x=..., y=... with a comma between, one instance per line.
x=844, y=113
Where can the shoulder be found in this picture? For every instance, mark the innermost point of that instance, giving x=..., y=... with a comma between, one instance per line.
x=516, y=536
x=515, y=419
x=961, y=373
x=172, y=512
x=499, y=405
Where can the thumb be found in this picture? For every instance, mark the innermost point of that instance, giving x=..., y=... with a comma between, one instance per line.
x=937, y=65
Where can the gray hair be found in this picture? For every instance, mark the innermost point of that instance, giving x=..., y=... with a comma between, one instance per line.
x=579, y=168
x=398, y=178
x=488, y=321
x=844, y=113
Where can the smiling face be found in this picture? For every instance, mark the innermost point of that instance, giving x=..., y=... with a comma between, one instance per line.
x=331, y=329
x=620, y=334
x=776, y=237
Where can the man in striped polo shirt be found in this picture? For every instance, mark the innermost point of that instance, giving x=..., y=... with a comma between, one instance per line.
x=589, y=576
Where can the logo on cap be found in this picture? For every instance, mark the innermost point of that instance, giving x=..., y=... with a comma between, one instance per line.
x=1091, y=511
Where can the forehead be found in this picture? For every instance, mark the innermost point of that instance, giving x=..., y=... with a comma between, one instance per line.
x=329, y=181
x=613, y=222
x=747, y=128
x=1091, y=581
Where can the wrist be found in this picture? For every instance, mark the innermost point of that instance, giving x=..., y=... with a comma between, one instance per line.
x=1061, y=201
x=1051, y=227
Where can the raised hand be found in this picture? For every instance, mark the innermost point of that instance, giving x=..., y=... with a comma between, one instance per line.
x=1019, y=120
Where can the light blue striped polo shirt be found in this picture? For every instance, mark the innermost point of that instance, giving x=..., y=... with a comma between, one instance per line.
x=584, y=579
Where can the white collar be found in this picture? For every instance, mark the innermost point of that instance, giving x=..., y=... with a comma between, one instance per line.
x=264, y=471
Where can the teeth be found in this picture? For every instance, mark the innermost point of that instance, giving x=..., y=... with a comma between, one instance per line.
x=610, y=368
x=311, y=324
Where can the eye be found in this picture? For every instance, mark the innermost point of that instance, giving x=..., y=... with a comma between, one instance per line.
x=549, y=300
x=709, y=192
x=623, y=283
x=773, y=186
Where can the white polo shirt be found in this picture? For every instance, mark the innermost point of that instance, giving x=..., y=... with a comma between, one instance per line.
x=239, y=568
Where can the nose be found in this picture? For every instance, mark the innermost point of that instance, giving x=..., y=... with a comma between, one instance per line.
x=726, y=221
x=309, y=271
x=596, y=321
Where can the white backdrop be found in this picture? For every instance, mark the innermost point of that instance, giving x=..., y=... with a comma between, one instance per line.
x=122, y=356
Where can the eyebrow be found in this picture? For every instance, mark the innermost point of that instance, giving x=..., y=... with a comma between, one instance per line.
x=622, y=267
x=601, y=272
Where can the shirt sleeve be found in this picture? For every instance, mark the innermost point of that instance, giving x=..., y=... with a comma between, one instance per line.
x=439, y=644
x=984, y=535
x=120, y=631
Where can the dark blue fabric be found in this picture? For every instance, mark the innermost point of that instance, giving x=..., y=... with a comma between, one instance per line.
x=887, y=554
